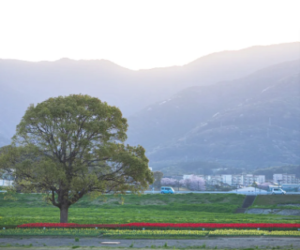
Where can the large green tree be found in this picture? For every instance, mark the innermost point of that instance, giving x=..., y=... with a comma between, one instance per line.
x=71, y=146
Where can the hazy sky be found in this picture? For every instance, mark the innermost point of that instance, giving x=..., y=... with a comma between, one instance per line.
x=140, y=33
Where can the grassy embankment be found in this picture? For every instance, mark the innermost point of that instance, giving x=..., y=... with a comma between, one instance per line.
x=179, y=208
x=277, y=202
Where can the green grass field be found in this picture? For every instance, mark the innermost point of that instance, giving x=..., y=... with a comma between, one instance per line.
x=179, y=208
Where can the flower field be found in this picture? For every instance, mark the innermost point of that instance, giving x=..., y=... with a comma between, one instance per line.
x=142, y=233
x=154, y=232
x=224, y=232
x=146, y=216
x=187, y=226
x=50, y=232
x=148, y=208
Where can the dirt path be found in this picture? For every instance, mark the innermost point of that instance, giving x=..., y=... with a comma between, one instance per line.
x=220, y=243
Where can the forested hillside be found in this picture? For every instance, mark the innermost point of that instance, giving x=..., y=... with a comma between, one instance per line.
x=250, y=122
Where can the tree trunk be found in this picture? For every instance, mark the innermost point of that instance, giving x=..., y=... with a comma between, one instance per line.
x=64, y=214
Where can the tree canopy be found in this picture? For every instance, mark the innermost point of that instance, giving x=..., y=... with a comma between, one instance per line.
x=71, y=146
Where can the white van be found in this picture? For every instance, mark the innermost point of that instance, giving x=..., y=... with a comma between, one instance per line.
x=278, y=191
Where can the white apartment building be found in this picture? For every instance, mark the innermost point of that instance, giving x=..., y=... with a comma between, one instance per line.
x=285, y=178
x=217, y=179
x=6, y=183
x=227, y=178
x=231, y=179
x=187, y=176
x=214, y=179
x=259, y=178
x=6, y=180
x=248, y=179
x=237, y=180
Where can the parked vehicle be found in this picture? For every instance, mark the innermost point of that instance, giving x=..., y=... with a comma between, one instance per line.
x=167, y=190
x=278, y=191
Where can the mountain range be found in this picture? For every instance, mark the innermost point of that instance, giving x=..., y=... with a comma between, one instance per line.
x=249, y=122
x=233, y=108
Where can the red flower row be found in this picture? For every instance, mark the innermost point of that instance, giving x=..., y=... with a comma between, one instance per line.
x=166, y=225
